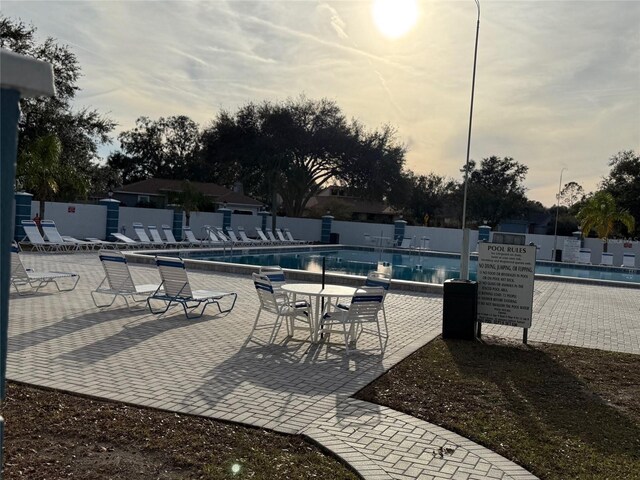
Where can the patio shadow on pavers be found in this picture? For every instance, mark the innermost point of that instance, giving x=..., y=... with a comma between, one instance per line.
x=66, y=326
x=292, y=382
x=129, y=336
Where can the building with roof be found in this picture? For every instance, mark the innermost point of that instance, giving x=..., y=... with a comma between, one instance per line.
x=158, y=193
x=342, y=206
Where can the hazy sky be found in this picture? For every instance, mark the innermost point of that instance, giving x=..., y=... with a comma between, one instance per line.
x=558, y=82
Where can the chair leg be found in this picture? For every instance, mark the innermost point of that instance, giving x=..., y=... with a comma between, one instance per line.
x=255, y=323
x=384, y=318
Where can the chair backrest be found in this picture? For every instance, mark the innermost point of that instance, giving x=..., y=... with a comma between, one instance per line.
x=124, y=238
x=271, y=236
x=281, y=236
x=189, y=234
x=32, y=232
x=366, y=304
x=116, y=270
x=140, y=232
x=155, y=234
x=261, y=234
x=378, y=279
x=288, y=235
x=17, y=268
x=168, y=233
x=174, y=277
x=50, y=231
x=275, y=274
x=629, y=260
x=232, y=236
x=211, y=234
x=243, y=235
x=406, y=243
x=266, y=292
x=221, y=235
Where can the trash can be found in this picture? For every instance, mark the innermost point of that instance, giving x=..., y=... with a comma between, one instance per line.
x=558, y=255
x=334, y=238
x=460, y=309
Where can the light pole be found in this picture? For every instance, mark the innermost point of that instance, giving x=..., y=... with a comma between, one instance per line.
x=464, y=255
x=555, y=229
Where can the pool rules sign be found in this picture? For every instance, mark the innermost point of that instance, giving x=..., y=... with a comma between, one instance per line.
x=505, y=284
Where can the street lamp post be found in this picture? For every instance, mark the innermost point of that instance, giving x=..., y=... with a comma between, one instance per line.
x=555, y=229
x=464, y=255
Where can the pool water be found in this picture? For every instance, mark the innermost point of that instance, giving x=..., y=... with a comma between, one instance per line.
x=417, y=268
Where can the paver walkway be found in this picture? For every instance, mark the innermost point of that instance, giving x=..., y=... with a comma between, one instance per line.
x=207, y=367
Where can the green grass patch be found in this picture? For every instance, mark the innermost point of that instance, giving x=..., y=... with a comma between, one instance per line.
x=560, y=412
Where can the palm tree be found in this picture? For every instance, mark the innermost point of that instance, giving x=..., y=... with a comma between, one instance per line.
x=189, y=199
x=39, y=168
x=600, y=213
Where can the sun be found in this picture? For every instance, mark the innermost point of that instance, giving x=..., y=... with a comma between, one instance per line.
x=394, y=18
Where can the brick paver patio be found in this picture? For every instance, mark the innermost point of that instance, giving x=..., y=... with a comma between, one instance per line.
x=208, y=367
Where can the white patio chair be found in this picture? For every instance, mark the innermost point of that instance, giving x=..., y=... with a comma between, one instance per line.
x=168, y=233
x=272, y=238
x=156, y=238
x=363, y=310
x=406, y=243
x=175, y=289
x=191, y=238
x=279, y=305
x=607, y=259
x=584, y=256
x=82, y=244
x=238, y=241
x=103, y=243
x=37, y=241
x=26, y=277
x=212, y=237
x=287, y=234
x=281, y=237
x=629, y=260
x=263, y=237
x=223, y=236
x=52, y=235
x=118, y=281
x=143, y=238
x=376, y=279
x=247, y=240
x=127, y=242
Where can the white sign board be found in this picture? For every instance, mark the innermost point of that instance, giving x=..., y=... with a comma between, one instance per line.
x=505, y=284
x=571, y=250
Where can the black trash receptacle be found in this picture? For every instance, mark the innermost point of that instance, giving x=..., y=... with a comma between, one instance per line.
x=334, y=238
x=460, y=309
x=558, y=256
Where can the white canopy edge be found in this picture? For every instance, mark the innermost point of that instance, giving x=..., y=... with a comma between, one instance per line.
x=30, y=77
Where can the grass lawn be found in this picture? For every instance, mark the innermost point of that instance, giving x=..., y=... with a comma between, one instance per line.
x=51, y=435
x=561, y=412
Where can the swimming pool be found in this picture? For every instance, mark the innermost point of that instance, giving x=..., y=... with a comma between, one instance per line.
x=427, y=267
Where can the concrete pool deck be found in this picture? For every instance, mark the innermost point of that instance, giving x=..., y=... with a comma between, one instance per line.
x=207, y=367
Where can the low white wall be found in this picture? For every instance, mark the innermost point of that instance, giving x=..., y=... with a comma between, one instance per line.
x=146, y=216
x=75, y=219
x=352, y=233
x=309, y=229
x=615, y=246
x=200, y=219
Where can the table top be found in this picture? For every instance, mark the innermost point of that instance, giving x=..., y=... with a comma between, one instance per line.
x=316, y=289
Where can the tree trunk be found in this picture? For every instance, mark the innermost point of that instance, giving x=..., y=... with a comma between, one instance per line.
x=274, y=209
x=605, y=247
x=187, y=214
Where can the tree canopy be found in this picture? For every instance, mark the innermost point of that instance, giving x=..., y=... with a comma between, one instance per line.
x=600, y=213
x=623, y=183
x=80, y=132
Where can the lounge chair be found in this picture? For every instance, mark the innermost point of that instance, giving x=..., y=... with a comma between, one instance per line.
x=628, y=260
x=287, y=234
x=157, y=238
x=223, y=236
x=375, y=279
x=272, y=237
x=26, y=277
x=278, y=304
x=38, y=242
x=607, y=259
x=143, y=238
x=168, y=233
x=244, y=238
x=52, y=235
x=175, y=289
x=238, y=241
x=118, y=281
x=191, y=238
x=364, y=308
x=406, y=243
x=127, y=242
x=103, y=243
x=281, y=236
x=212, y=237
x=263, y=237
x=82, y=244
